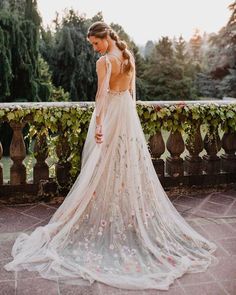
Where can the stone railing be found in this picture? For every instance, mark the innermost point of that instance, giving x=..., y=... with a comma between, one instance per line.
x=172, y=170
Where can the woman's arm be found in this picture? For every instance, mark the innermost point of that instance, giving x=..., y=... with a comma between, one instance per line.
x=103, y=74
x=100, y=99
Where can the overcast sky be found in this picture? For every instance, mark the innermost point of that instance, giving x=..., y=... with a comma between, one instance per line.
x=150, y=19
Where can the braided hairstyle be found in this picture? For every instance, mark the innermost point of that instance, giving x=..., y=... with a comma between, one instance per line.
x=102, y=30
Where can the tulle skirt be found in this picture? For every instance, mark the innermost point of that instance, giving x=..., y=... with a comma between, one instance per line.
x=116, y=225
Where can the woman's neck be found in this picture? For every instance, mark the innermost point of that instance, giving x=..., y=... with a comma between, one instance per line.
x=112, y=48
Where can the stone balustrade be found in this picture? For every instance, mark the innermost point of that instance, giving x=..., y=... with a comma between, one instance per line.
x=173, y=170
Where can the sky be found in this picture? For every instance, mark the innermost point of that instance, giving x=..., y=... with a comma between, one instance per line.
x=149, y=19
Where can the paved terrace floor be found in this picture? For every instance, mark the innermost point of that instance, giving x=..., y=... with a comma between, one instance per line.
x=202, y=210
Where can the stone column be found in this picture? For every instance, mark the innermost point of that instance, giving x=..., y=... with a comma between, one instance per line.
x=228, y=159
x=212, y=145
x=41, y=169
x=17, y=154
x=157, y=147
x=1, y=166
x=63, y=167
x=193, y=163
x=174, y=163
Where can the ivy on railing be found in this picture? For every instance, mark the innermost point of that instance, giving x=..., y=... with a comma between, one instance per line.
x=72, y=121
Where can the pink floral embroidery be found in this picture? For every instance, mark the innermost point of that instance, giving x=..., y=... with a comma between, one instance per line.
x=171, y=260
x=103, y=223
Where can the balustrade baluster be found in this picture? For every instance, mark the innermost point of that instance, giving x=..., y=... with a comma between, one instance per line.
x=229, y=158
x=63, y=166
x=41, y=169
x=174, y=163
x=193, y=162
x=1, y=166
x=212, y=145
x=157, y=147
x=17, y=154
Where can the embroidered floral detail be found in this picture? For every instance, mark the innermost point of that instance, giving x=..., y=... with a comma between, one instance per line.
x=123, y=237
x=171, y=260
x=147, y=214
x=103, y=223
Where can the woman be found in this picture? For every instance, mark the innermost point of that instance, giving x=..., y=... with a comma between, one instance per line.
x=116, y=225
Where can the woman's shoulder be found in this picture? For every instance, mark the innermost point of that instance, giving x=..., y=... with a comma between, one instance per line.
x=101, y=60
x=101, y=63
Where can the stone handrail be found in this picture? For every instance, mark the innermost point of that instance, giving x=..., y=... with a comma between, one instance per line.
x=174, y=170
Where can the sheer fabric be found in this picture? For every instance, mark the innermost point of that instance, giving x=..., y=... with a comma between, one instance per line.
x=116, y=225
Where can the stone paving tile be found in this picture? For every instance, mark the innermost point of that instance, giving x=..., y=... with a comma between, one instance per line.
x=21, y=208
x=205, y=289
x=225, y=269
x=232, y=225
x=107, y=290
x=25, y=274
x=192, y=278
x=230, y=286
x=40, y=211
x=218, y=231
x=201, y=231
x=214, y=208
x=232, y=210
x=30, y=228
x=221, y=199
x=5, y=249
x=230, y=193
x=7, y=288
x=12, y=221
x=36, y=286
x=229, y=245
x=172, y=291
x=188, y=201
x=220, y=251
x=77, y=290
x=6, y=275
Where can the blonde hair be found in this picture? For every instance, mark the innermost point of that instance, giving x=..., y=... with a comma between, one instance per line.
x=102, y=30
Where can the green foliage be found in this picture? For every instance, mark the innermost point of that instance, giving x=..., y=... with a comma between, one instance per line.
x=19, y=52
x=166, y=73
x=70, y=56
x=222, y=57
x=73, y=121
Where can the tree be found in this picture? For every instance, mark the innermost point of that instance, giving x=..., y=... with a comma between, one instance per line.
x=70, y=56
x=149, y=47
x=222, y=57
x=165, y=74
x=19, y=34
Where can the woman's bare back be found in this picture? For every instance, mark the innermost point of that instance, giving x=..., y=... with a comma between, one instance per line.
x=119, y=80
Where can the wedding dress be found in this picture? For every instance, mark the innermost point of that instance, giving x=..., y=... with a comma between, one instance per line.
x=116, y=225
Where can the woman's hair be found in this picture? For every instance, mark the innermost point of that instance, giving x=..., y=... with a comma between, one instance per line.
x=102, y=30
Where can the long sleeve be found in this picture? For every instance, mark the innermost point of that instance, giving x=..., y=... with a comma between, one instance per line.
x=103, y=68
x=133, y=80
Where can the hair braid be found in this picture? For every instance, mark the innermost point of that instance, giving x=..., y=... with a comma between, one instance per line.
x=123, y=47
x=101, y=30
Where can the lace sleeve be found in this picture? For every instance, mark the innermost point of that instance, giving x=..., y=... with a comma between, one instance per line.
x=103, y=69
x=133, y=80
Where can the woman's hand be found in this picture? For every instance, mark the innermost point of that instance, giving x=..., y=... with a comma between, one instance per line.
x=98, y=134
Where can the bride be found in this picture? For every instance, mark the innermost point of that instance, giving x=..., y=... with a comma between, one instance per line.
x=116, y=225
